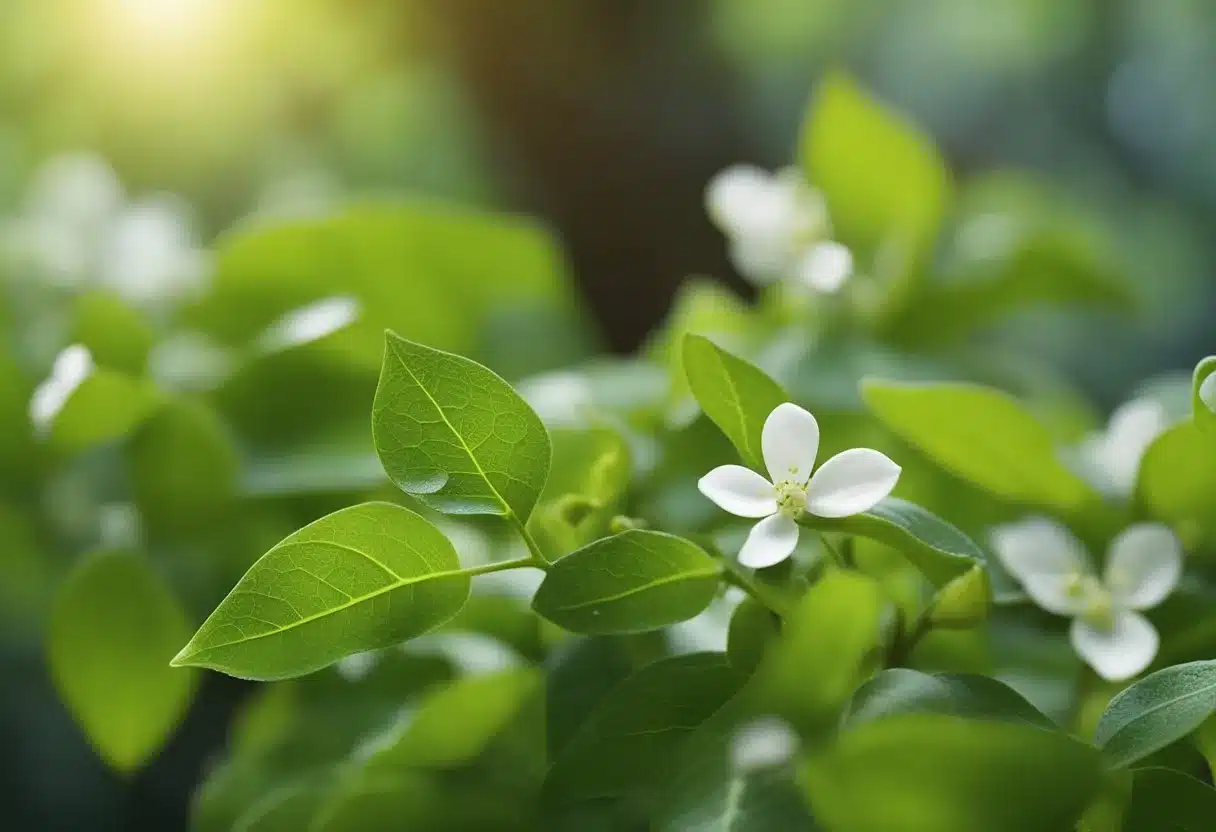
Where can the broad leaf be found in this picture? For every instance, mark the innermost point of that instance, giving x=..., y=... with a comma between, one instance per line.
x=288, y=808
x=753, y=627
x=581, y=672
x=362, y=578
x=113, y=629
x=1157, y=710
x=736, y=395
x=981, y=435
x=1166, y=799
x=828, y=638
x=939, y=550
x=932, y=773
x=454, y=434
x=1176, y=483
x=628, y=583
x=636, y=731
x=902, y=691
x=117, y=335
x=107, y=405
x=882, y=177
x=760, y=801
x=1203, y=394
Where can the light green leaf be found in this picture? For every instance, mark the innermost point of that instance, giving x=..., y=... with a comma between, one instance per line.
x=1157, y=710
x=828, y=638
x=455, y=435
x=113, y=629
x=753, y=627
x=289, y=808
x=362, y=578
x=1176, y=483
x=933, y=773
x=1163, y=798
x=455, y=724
x=981, y=435
x=1203, y=394
x=107, y=405
x=939, y=550
x=903, y=691
x=736, y=395
x=630, y=582
x=633, y=734
x=392, y=801
x=117, y=335
x=882, y=177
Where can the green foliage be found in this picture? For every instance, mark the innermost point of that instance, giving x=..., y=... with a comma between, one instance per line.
x=737, y=396
x=113, y=629
x=630, y=582
x=903, y=691
x=944, y=774
x=108, y=405
x=981, y=435
x=1177, y=480
x=1160, y=793
x=457, y=436
x=1156, y=711
x=117, y=336
x=361, y=578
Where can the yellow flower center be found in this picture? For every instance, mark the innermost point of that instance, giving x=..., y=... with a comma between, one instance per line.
x=791, y=498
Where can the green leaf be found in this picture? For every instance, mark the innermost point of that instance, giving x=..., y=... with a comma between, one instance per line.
x=455, y=724
x=289, y=808
x=902, y=691
x=113, y=629
x=581, y=672
x=106, y=406
x=1166, y=799
x=117, y=335
x=828, y=638
x=1176, y=483
x=1203, y=394
x=736, y=395
x=630, y=582
x=1157, y=710
x=753, y=627
x=455, y=435
x=939, y=550
x=933, y=773
x=637, y=729
x=362, y=578
x=981, y=435
x=183, y=469
x=881, y=176
x=761, y=801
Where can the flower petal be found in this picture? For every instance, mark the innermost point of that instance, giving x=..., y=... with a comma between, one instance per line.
x=739, y=490
x=1143, y=566
x=1119, y=652
x=761, y=258
x=789, y=443
x=1207, y=392
x=771, y=541
x=851, y=482
x=826, y=267
x=1038, y=547
x=742, y=200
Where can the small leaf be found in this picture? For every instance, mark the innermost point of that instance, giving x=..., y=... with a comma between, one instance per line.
x=828, y=639
x=1166, y=799
x=637, y=729
x=1157, y=710
x=117, y=335
x=107, y=405
x=362, y=578
x=1203, y=394
x=454, y=725
x=454, y=434
x=882, y=177
x=288, y=808
x=903, y=691
x=737, y=396
x=1176, y=483
x=981, y=435
x=113, y=628
x=752, y=628
x=933, y=773
x=631, y=582
x=964, y=602
x=939, y=550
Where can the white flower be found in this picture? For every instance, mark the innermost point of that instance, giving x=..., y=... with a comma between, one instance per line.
x=72, y=366
x=1207, y=392
x=1111, y=458
x=849, y=483
x=778, y=228
x=1143, y=566
x=310, y=323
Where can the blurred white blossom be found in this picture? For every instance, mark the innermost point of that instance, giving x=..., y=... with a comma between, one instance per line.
x=310, y=323
x=1110, y=459
x=762, y=743
x=1207, y=392
x=72, y=366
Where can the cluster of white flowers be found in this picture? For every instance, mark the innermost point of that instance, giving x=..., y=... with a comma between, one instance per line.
x=1143, y=565
x=778, y=228
x=849, y=483
x=78, y=229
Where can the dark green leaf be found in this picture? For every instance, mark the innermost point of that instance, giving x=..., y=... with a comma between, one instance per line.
x=631, y=582
x=903, y=691
x=1166, y=799
x=362, y=578
x=1157, y=710
x=752, y=628
x=113, y=629
x=454, y=434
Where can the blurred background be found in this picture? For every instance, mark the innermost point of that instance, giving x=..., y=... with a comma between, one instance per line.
x=172, y=122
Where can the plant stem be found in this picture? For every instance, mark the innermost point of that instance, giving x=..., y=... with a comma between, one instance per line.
x=500, y=566
x=841, y=560
x=905, y=642
x=537, y=557
x=764, y=594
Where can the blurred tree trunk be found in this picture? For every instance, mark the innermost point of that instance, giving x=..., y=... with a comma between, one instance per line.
x=616, y=115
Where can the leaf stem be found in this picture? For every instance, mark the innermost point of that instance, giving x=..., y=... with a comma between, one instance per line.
x=537, y=558
x=764, y=594
x=905, y=641
x=500, y=566
x=843, y=560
